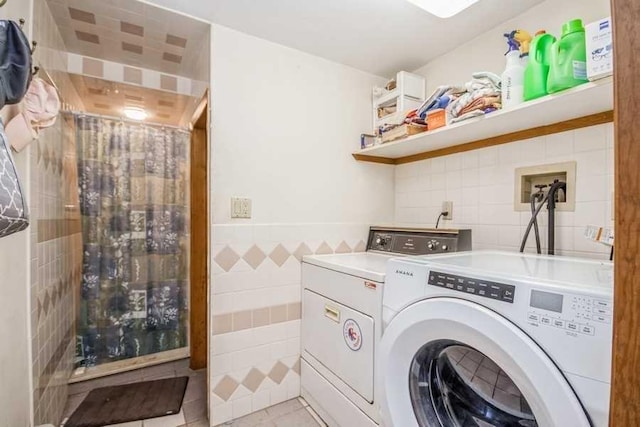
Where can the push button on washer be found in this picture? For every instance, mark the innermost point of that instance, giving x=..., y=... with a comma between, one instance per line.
x=586, y=329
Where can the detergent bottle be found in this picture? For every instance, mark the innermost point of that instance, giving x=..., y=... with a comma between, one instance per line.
x=513, y=76
x=535, y=75
x=568, y=59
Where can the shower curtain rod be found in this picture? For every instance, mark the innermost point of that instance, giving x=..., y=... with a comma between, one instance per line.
x=122, y=119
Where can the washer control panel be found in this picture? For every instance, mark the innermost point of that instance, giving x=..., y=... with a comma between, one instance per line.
x=480, y=287
x=576, y=314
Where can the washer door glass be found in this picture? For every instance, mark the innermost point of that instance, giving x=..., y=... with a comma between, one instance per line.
x=453, y=385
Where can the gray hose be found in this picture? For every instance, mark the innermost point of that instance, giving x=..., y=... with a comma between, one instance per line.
x=536, y=230
x=533, y=220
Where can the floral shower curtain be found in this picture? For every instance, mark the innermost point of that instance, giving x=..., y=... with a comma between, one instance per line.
x=133, y=181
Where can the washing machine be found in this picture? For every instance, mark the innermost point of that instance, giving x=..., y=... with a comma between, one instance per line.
x=341, y=320
x=496, y=339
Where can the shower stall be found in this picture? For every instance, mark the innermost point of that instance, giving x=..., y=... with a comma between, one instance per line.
x=133, y=181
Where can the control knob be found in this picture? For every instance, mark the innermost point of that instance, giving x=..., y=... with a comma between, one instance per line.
x=430, y=246
x=445, y=247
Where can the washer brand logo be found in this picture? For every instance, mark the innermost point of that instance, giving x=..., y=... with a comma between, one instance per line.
x=352, y=334
x=405, y=273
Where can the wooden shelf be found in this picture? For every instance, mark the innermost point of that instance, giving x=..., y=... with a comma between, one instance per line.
x=586, y=105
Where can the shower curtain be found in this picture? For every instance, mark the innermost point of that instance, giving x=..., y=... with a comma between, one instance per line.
x=133, y=181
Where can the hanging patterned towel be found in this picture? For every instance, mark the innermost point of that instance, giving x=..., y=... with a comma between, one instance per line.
x=14, y=215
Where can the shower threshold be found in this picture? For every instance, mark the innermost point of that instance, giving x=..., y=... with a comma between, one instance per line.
x=85, y=374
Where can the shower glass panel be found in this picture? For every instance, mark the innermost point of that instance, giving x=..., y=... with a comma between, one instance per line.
x=133, y=181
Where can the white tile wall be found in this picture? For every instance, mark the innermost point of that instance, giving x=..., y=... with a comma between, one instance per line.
x=481, y=185
x=244, y=287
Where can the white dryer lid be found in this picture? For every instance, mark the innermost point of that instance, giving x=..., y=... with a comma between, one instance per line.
x=367, y=265
x=576, y=272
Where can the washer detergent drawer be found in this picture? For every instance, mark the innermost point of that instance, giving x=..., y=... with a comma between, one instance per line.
x=341, y=339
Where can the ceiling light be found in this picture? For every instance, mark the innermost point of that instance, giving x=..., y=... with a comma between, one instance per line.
x=135, y=113
x=443, y=8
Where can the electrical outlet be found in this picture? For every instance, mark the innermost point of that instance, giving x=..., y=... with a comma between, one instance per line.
x=447, y=207
x=240, y=207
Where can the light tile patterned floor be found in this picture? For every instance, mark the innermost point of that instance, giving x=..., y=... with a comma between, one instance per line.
x=292, y=413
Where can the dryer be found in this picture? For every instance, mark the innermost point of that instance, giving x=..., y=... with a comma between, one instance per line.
x=494, y=339
x=341, y=320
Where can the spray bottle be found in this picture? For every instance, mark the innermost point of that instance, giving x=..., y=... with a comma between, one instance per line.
x=513, y=76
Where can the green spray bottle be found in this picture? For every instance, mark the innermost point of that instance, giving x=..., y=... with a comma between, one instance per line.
x=568, y=62
x=535, y=75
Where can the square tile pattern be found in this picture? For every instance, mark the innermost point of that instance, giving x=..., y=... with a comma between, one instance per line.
x=132, y=33
x=481, y=183
x=292, y=413
x=103, y=97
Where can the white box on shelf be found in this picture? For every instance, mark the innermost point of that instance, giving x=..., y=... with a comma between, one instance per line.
x=407, y=95
x=599, y=49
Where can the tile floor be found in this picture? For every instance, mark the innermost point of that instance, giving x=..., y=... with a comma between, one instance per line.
x=194, y=405
x=292, y=413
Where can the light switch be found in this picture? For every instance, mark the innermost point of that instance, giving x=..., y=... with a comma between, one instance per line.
x=240, y=207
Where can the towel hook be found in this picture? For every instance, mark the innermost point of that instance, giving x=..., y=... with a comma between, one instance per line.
x=2, y=2
x=36, y=70
x=34, y=44
x=21, y=20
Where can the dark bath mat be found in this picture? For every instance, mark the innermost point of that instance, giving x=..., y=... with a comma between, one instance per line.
x=130, y=402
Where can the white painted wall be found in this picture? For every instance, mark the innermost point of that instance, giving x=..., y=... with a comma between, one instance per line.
x=486, y=52
x=481, y=183
x=284, y=126
x=15, y=358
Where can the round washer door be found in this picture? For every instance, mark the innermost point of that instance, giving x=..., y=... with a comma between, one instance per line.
x=449, y=362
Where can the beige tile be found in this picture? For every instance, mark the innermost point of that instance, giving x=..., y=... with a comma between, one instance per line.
x=82, y=16
x=227, y=258
x=172, y=57
x=168, y=421
x=254, y=256
x=301, y=251
x=195, y=410
x=133, y=29
x=278, y=372
x=225, y=388
x=294, y=311
x=92, y=67
x=176, y=41
x=296, y=367
x=343, y=248
x=299, y=418
x=129, y=424
x=261, y=317
x=360, y=247
x=88, y=37
x=133, y=48
x=168, y=83
x=279, y=255
x=253, y=379
x=284, y=408
x=242, y=320
x=324, y=249
x=222, y=324
x=278, y=313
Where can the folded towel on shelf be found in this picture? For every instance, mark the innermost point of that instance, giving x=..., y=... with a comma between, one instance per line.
x=483, y=93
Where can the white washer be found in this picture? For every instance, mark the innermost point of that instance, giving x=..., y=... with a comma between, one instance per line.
x=341, y=320
x=495, y=338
